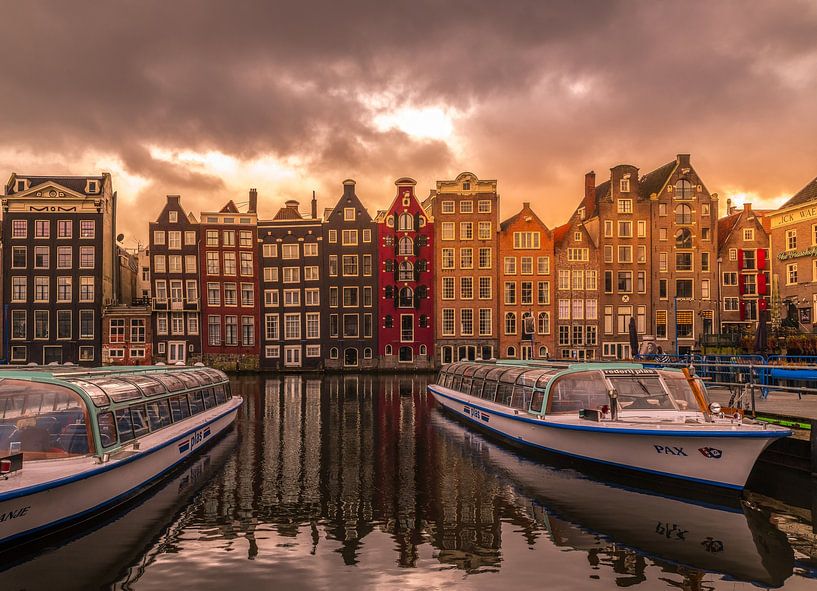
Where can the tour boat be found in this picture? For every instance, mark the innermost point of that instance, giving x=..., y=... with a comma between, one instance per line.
x=74, y=442
x=656, y=421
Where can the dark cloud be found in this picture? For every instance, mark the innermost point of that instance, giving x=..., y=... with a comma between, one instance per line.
x=549, y=90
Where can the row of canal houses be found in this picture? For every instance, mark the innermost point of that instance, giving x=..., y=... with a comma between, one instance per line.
x=423, y=282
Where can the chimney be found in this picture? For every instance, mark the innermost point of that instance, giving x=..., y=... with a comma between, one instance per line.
x=747, y=208
x=589, y=186
x=526, y=205
x=253, y=208
x=173, y=199
x=729, y=209
x=348, y=188
x=314, y=206
x=683, y=160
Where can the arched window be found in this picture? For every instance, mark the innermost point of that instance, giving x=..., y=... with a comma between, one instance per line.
x=406, y=354
x=683, y=214
x=511, y=352
x=543, y=323
x=387, y=350
x=333, y=353
x=406, y=272
x=423, y=349
x=405, y=247
x=350, y=357
x=448, y=354
x=367, y=353
x=683, y=238
x=406, y=298
x=510, y=323
x=683, y=189
x=405, y=222
x=543, y=352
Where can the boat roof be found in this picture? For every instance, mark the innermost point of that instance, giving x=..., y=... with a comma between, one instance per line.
x=109, y=385
x=529, y=371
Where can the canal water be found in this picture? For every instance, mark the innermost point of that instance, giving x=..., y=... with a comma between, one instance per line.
x=361, y=482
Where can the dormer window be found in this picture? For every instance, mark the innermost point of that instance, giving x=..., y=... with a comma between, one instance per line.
x=21, y=185
x=173, y=217
x=624, y=185
x=577, y=236
x=91, y=186
x=466, y=186
x=348, y=214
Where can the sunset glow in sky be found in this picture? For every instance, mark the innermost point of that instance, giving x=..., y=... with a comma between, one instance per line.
x=207, y=99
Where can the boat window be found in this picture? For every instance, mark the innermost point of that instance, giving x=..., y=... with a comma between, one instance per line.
x=216, y=375
x=521, y=397
x=641, y=393
x=209, y=398
x=138, y=416
x=456, y=382
x=504, y=393
x=681, y=391
x=97, y=394
x=537, y=400
x=573, y=392
x=196, y=403
x=158, y=414
x=43, y=421
x=171, y=382
x=179, y=408
x=190, y=379
x=489, y=389
x=148, y=385
x=227, y=390
x=107, y=428
x=530, y=377
x=543, y=380
x=224, y=391
x=465, y=387
x=123, y=424
x=476, y=387
x=219, y=394
x=117, y=390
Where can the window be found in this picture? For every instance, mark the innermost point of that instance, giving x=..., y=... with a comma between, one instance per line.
x=730, y=278
x=608, y=228
x=333, y=236
x=526, y=265
x=292, y=297
x=247, y=331
x=310, y=249
x=663, y=262
x=683, y=190
x=406, y=328
x=64, y=289
x=271, y=327
x=731, y=304
x=591, y=310
x=683, y=214
x=19, y=229
x=42, y=229
x=485, y=256
x=683, y=288
x=64, y=324
x=405, y=222
x=247, y=294
x=405, y=246
x=683, y=238
x=510, y=293
x=705, y=289
x=86, y=324
x=269, y=251
x=526, y=240
x=705, y=261
x=229, y=263
x=448, y=288
x=510, y=323
x=231, y=330
x=625, y=254
x=791, y=274
x=349, y=238
x=214, y=330
x=40, y=324
x=543, y=293
x=683, y=261
x=625, y=281
x=246, y=263
x=749, y=260
x=86, y=289
x=447, y=231
x=466, y=231
x=466, y=258
x=447, y=207
x=41, y=257
x=448, y=322
x=485, y=288
x=642, y=228
x=791, y=239
x=64, y=229
x=213, y=263
x=313, y=325
x=174, y=264
x=19, y=286
x=484, y=206
x=564, y=309
x=564, y=279
x=292, y=274
x=484, y=231
x=577, y=309
x=87, y=229
x=577, y=283
x=485, y=322
x=190, y=238
x=367, y=237
x=230, y=294
x=625, y=205
x=41, y=289
x=662, y=289
x=608, y=282
x=578, y=255
x=350, y=297
x=174, y=240
x=733, y=254
x=467, y=206
x=608, y=253
x=625, y=229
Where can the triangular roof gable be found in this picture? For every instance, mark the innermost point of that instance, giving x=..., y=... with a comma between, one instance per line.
x=804, y=195
x=229, y=207
x=47, y=186
x=525, y=208
x=398, y=195
x=356, y=203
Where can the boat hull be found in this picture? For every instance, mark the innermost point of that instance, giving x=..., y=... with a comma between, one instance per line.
x=722, y=459
x=36, y=509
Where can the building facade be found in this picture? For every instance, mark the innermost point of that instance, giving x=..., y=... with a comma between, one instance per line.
x=525, y=280
x=744, y=286
x=59, y=267
x=350, y=272
x=576, y=272
x=127, y=335
x=406, y=281
x=684, y=252
x=174, y=274
x=229, y=282
x=291, y=262
x=794, y=259
x=466, y=223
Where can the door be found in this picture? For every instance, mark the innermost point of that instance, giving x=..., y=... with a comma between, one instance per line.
x=526, y=351
x=350, y=357
x=176, y=352
x=292, y=356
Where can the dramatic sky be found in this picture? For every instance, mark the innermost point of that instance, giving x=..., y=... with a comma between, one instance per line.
x=207, y=98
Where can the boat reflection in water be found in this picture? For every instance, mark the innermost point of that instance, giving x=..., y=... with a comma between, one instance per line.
x=728, y=537
x=97, y=553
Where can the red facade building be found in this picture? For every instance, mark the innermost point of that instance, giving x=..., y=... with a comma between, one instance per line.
x=405, y=240
x=229, y=271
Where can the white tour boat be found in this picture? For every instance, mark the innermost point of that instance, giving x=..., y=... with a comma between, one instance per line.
x=74, y=442
x=656, y=421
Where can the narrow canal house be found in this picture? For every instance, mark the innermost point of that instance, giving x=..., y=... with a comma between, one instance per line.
x=743, y=270
x=291, y=261
x=350, y=244
x=576, y=256
x=684, y=250
x=127, y=334
x=526, y=309
x=229, y=271
x=466, y=223
x=794, y=258
x=59, y=266
x=405, y=238
x=623, y=229
x=174, y=272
